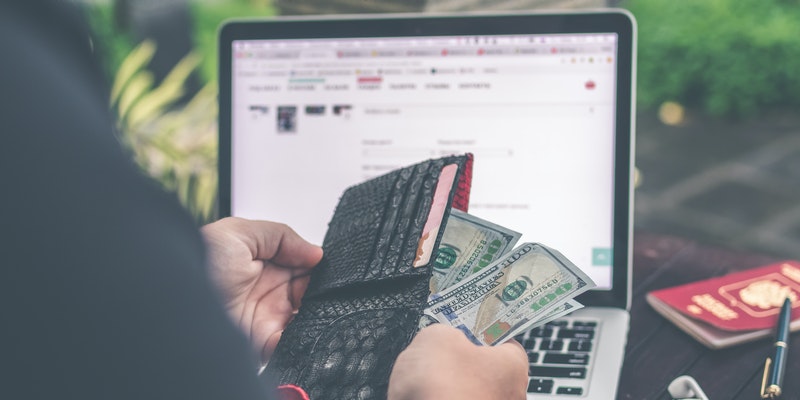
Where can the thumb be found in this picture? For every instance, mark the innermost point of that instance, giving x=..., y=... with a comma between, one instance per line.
x=514, y=353
x=515, y=360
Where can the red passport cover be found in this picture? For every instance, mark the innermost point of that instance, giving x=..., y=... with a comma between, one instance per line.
x=735, y=308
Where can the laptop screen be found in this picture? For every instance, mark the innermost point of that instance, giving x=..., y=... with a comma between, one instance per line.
x=311, y=116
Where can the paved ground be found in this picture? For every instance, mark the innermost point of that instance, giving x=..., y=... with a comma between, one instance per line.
x=734, y=183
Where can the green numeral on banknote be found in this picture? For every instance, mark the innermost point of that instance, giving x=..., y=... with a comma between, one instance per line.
x=468, y=245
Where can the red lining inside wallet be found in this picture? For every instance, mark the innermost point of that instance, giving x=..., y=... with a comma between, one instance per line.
x=461, y=197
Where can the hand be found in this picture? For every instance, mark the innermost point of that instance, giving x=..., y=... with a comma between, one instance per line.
x=262, y=269
x=441, y=363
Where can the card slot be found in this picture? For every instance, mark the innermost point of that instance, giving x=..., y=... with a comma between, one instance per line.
x=402, y=290
x=401, y=230
x=354, y=232
x=417, y=203
x=377, y=227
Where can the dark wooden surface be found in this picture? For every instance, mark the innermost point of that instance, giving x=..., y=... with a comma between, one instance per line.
x=657, y=351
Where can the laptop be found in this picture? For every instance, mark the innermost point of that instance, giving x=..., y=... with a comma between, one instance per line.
x=312, y=105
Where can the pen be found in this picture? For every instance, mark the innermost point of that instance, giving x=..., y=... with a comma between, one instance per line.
x=773, y=389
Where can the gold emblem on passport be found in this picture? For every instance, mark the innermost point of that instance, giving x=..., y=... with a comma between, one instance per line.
x=766, y=294
x=763, y=296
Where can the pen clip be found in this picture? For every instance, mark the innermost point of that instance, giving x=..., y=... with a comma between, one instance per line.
x=764, y=394
x=773, y=391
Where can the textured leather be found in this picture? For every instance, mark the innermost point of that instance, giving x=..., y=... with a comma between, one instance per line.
x=364, y=300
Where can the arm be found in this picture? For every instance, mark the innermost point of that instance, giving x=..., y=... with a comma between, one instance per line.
x=103, y=287
x=262, y=269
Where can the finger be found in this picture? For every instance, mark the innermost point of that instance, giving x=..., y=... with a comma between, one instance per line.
x=279, y=243
x=513, y=342
x=270, y=345
x=441, y=330
x=514, y=360
x=297, y=287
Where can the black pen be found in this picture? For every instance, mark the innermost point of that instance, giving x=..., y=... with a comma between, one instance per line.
x=773, y=390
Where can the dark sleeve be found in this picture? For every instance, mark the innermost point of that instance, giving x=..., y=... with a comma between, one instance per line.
x=103, y=289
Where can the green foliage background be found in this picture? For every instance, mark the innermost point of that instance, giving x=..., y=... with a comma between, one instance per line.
x=723, y=57
x=110, y=42
x=207, y=16
x=174, y=142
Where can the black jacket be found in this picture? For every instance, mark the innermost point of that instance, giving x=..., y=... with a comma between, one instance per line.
x=103, y=285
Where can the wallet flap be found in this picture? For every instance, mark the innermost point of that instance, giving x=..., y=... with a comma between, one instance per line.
x=377, y=226
x=344, y=346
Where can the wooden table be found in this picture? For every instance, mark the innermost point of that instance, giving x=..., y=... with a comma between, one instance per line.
x=657, y=351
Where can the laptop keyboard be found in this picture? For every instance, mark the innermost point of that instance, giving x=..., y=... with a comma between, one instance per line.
x=561, y=354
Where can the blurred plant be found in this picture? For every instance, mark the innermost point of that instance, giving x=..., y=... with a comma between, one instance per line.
x=175, y=144
x=726, y=57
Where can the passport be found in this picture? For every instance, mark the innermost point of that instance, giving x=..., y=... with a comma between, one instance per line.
x=735, y=308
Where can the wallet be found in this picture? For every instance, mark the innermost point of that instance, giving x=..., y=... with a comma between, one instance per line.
x=365, y=299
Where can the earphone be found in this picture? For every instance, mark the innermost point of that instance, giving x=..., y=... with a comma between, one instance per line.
x=685, y=387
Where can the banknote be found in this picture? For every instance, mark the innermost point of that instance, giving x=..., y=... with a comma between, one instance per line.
x=507, y=297
x=556, y=313
x=468, y=244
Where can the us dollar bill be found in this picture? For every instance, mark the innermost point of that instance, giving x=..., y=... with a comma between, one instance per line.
x=468, y=245
x=510, y=295
x=556, y=313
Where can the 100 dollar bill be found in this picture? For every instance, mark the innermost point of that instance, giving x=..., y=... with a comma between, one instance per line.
x=554, y=314
x=509, y=296
x=468, y=245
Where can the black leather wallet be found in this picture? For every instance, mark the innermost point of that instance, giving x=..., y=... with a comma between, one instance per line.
x=365, y=299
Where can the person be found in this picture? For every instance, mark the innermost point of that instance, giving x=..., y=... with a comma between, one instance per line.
x=108, y=289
